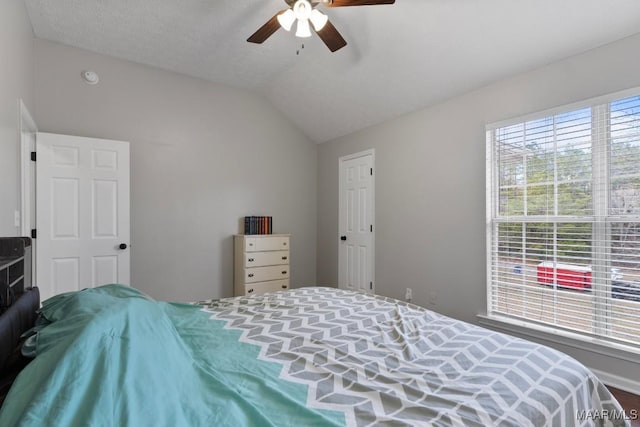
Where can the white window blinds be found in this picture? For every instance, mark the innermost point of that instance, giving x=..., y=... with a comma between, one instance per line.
x=563, y=220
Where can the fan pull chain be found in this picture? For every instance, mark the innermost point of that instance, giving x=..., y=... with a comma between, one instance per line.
x=301, y=48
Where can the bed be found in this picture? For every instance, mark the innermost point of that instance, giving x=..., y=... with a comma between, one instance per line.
x=305, y=357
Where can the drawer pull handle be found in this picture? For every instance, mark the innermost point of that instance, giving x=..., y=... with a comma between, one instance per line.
x=250, y=274
x=284, y=258
x=251, y=260
x=284, y=243
x=284, y=272
x=284, y=286
x=250, y=291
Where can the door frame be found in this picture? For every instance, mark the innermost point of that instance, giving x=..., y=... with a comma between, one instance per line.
x=341, y=225
x=27, y=185
x=27, y=180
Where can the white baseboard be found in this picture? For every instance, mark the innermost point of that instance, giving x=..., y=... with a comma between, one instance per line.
x=618, y=382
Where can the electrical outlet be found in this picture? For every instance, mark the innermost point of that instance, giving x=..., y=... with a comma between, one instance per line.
x=16, y=218
x=408, y=294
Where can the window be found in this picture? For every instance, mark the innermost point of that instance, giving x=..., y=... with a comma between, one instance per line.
x=563, y=220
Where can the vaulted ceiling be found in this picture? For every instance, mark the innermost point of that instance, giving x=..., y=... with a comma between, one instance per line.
x=399, y=58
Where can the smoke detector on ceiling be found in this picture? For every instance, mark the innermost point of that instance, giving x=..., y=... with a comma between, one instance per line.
x=90, y=77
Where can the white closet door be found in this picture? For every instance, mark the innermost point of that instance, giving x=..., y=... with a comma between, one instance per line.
x=82, y=218
x=356, y=257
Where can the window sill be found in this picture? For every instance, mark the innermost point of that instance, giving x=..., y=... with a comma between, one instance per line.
x=522, y=328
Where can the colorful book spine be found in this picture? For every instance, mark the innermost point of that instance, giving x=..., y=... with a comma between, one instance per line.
x=258, y=225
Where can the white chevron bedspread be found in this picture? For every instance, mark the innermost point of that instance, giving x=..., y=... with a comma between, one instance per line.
x=381, y=361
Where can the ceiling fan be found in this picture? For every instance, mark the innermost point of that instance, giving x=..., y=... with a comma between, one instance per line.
x=306, y=13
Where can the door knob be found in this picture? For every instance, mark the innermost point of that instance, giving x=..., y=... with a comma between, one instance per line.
x=343, y=238
x=123, y=246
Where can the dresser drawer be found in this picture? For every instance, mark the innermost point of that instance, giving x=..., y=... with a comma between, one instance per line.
x=262, y=274
x=260, y=259
x=270, y=243
x=262, y=287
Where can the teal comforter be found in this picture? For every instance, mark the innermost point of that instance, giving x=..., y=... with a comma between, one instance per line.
x=111, y=356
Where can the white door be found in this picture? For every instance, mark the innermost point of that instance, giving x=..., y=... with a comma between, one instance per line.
x=356, y=255
x=82, y=212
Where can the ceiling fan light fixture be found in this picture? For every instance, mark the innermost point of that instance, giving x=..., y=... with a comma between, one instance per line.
x=303, y=28
x=286, y=19
x=318, y=19
x=302, y=10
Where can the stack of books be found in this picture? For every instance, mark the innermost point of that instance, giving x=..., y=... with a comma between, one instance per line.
x=258, y=225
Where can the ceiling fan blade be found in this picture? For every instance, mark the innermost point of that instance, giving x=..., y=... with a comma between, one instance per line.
x=344, y=3
x=331, y=37
x=264, y=32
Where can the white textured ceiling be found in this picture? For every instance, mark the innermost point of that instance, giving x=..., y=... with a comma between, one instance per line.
x=399, y=58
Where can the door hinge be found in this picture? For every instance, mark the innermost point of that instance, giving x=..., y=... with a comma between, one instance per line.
x=33, y=156
x=371, y=171
x=371, y=228
x=371, y=285
x=34, y=233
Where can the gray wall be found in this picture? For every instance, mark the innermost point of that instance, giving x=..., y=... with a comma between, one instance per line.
x=16, y=81
x=202, y=156
x=430, y=183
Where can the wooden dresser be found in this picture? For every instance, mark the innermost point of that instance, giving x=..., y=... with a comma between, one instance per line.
x=261, y=263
